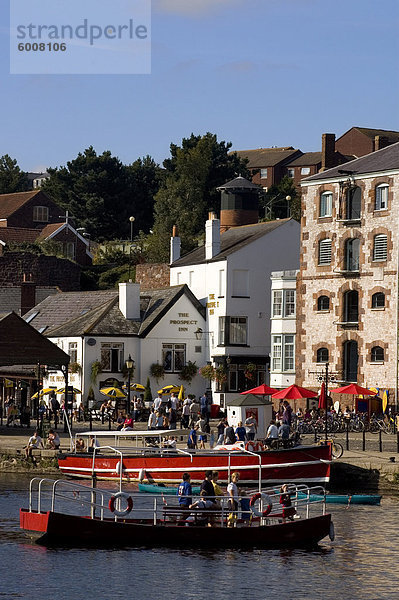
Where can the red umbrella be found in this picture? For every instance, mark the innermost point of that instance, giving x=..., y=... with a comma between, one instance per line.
x=323, y=397
x=261, y=390
x=353, y=388
x=294, y=392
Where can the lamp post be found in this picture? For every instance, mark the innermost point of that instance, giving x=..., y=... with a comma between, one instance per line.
x=129, y=366
x=132, y=220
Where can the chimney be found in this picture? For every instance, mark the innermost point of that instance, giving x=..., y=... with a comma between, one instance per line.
x=28, y=294
x=380, y=142
x=327, y=151
x=212, y=236
x=175, y=245
x=129, y=300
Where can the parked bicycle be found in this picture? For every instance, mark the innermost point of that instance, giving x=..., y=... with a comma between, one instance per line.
x=337, y=449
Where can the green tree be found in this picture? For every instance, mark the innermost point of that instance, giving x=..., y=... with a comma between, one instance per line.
x=12, y=179
x=275, y=200
x=193, y=172
x=101, y=193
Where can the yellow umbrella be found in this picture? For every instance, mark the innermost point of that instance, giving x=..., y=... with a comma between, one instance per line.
x=181, y=393
x=135, y=387
x=168, y=389
x=113, y=392
x=43, y=392
x=71, y=390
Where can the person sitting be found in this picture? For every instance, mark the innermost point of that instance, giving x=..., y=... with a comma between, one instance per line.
x=285, y=501
x=284, y=434
x=198, y=517
x=53, y=440
x=34, y=442
x=128, y=424
x=93, y=444
x=272, y=434
x=169, y=442
x=80, y=445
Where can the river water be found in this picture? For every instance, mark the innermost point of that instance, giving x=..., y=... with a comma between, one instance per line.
x=360, y=564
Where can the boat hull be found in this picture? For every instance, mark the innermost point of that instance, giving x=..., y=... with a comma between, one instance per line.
x=300, y=465
x=62, y=529
x=371, y=499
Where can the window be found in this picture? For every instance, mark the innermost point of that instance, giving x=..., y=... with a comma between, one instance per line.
x=73, y=351
x=233, y=378
x=178, y=278
x=352, y=254
x=240, y=283
x=233, y=331
x=323, y=303
x=222, y=284
x=40, y=213
x=381, y=197
x=111, y=357
x=353, y=203
x=325, y=252
x=326, y=204
x=380, y=247
x=283, y=353
x=173, y=357
x=277, y=310
x=351, y=359
x=377, y=354
x=291, y=173
x=68, y=250
x=305, y=171
x=263, y=173
x=190, y=278
x=322, y=355
x=378, y=300
x=289, y=303
x=351, y=307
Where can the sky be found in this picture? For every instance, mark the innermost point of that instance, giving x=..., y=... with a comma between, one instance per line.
x=258, y=73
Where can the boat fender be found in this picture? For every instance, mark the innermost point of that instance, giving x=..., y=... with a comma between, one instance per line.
x=142, y=475
x=119, y=467
x=331, y=533
x=266, y=501
x=129, y=504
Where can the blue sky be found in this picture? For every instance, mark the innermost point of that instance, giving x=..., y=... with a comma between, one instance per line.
x=255, y=72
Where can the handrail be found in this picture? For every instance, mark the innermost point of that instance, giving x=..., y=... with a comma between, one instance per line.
x=121, y=462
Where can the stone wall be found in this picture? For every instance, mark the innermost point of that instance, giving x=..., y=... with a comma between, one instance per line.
x=153, y=276
x=39, y=269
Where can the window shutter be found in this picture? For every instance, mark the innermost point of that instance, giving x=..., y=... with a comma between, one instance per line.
x=324, y=252
x=380, y=247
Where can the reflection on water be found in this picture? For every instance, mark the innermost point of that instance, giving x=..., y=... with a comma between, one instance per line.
x=360, y=564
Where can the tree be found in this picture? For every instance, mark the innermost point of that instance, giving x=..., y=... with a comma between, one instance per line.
x=12, y=179
x=275, y=200
x=101, y=193
x=188, y=192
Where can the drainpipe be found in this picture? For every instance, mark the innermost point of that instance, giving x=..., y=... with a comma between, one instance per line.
x=397, y=338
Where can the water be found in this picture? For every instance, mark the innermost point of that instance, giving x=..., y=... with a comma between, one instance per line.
x=360, y=564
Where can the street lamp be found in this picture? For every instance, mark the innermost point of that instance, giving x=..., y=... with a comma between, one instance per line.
x=129, y=367
x=132, y=220
x=200, y=332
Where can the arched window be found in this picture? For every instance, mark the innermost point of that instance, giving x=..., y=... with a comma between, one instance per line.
x=325, y=252
x=323, y=303
x=378, y=300
x=322, y=355
x=377, y=354
x=353, y=203
x=352, y=254
x=326, y=204
x=380, y=247
x=381, y=196
x=351, y=307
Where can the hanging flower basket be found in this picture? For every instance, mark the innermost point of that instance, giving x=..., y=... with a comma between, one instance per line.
x=157, y=371
x=188, y=372
x=208, y=372
x=250, y=371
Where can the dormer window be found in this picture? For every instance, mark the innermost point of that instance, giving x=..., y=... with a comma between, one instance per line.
x=40, y=214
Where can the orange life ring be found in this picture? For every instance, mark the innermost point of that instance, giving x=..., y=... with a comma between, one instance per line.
x=129, y=504
x=250, y=446
x=265, y=499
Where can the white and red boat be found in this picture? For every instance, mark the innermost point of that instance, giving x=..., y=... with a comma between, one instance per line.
x=301, y=464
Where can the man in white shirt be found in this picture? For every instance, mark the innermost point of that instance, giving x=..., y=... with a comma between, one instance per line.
x=34, y=442
x=272, y=433
x=157, y=403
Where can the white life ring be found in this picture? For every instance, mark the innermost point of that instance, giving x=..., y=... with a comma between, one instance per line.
x=129, y=504
x=265, y=500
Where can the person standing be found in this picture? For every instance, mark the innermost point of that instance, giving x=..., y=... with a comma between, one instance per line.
x=287, y=413
x=185, y=418
x=204, y=406
x=240, y=432
x=207, y=489
x=184, y=492
x=192, y=438
x=250, y=426
x=229, y=435
x=152, y=420
x=232, y=492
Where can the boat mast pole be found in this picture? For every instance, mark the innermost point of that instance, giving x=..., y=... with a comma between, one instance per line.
x=326, y=392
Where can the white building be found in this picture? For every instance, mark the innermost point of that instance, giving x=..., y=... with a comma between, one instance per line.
x=230, y=276
x=283, y=328
x=102, y=328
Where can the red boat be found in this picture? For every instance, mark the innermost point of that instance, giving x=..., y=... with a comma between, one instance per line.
x=301, y=464
x=158, y=525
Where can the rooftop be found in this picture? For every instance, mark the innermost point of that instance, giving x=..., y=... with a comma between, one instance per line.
x=267, y=157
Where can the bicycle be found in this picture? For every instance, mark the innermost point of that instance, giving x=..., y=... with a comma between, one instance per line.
x=337, y=449
x=386, y=425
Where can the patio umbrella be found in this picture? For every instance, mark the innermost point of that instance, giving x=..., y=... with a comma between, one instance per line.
x=294, y=392
x=43, y=393
x=261, y=390
x=168, y=389
x=181, y=393
x=71, y=390
x=323, y=397
x=135, y=387
x=113, y=392
x=354, y=389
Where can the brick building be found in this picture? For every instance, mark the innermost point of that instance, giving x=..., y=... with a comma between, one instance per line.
x=347, y=291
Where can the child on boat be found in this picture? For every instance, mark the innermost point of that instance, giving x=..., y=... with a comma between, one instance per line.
x=285, y=501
